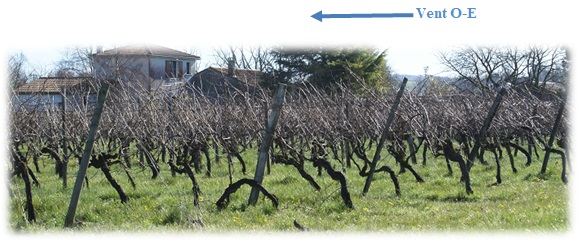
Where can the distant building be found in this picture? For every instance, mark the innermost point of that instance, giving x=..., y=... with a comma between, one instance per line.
x=216, y=82
x=145, y=67
x=138, y=69
x=47, y=93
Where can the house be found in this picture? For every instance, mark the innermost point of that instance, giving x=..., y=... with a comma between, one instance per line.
x=139, y=69
x=48, y=93
x=217, y=82
x=145, y=67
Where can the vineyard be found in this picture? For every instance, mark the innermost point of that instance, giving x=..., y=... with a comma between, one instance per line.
x=184, y=161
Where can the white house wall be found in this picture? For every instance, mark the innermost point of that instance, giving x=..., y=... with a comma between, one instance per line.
x=49, y=102
x=131, y=68
x=109, y=67
x=38, y=102
x=133, y=71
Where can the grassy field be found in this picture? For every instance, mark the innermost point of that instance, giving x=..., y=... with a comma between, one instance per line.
x=525, y=201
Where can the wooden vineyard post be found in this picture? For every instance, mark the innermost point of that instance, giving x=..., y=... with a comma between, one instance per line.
x=553, y=135
x=267, y=139
x=482, y=135
x=388, y=122
x=64, y=171
x=94, y=122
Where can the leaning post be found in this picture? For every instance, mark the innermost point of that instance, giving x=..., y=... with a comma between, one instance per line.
x=553, y=135
x=94, y=122
x=267, y=140
x=482, y=134
x=388, y=122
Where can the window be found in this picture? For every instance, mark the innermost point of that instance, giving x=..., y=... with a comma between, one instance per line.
x=171, y=69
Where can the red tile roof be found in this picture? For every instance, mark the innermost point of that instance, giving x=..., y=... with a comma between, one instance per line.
x=49, y=84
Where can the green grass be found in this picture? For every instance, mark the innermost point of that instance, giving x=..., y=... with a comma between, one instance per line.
x=524, y=201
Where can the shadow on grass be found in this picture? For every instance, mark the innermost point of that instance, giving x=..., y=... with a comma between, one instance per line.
x=285, y=181
x=458, y=198
x=538, y=177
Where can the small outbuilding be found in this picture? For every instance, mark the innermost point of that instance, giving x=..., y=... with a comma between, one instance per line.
x=217, y=82
x=48, y=93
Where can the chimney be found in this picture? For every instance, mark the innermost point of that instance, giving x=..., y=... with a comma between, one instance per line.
x=231, y=67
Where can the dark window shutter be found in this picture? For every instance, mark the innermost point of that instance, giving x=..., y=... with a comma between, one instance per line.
x=168, y=69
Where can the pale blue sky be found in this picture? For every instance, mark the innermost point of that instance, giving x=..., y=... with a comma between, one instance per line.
x=410, y=61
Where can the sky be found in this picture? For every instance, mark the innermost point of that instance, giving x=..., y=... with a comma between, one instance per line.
x=43, y=30
x=402, y=60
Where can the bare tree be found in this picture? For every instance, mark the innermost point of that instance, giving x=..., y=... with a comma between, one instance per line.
x=476, y=67
x=17, y=70
x=484, y=69
x=76, y=61
x=255, y=57
x=546, y=64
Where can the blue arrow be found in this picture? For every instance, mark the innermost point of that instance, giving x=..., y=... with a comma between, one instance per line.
x=320, y=16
